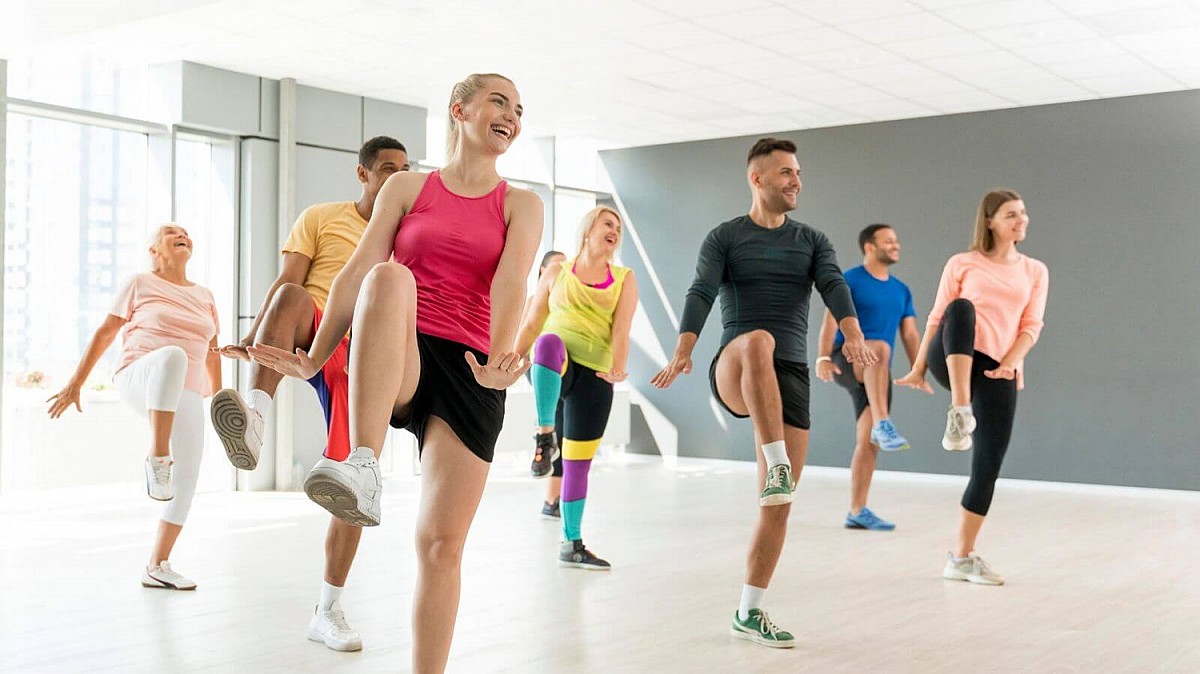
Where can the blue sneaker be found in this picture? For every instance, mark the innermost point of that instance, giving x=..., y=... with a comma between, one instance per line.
x=865, y=519
x=885, y=435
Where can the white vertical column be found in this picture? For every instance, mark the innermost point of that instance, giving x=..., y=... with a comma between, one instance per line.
x=285, y=473
x=3, y=201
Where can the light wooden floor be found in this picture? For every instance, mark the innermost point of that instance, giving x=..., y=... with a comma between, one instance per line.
x=1100, y=580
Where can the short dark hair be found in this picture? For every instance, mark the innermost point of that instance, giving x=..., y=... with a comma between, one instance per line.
x=369, y=152
x=765, y=146
x=868, y=234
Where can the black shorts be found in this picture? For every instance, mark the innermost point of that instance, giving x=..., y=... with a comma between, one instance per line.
x=793, y=389
x=448, y=390
x=858, y=392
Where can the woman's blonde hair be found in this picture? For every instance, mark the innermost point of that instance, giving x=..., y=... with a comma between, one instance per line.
x=461, y=93
x=991, y=202
x=589, y=219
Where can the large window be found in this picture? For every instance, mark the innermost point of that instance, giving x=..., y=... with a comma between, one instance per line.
x=109, y=87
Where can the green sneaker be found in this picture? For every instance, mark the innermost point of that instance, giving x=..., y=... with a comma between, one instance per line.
x=759, y=629
x=778, y=490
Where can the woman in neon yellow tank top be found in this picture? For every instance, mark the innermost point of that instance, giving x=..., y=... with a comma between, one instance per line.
x=578, y=327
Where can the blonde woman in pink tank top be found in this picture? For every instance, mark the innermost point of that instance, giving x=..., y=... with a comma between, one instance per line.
x=432, y=342
x=170, y=325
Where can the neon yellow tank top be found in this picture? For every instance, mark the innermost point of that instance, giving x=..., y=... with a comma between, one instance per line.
x=583, y=316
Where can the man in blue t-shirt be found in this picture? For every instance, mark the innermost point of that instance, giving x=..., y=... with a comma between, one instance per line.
x=884, y=305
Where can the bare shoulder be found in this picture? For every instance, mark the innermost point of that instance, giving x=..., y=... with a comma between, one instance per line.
x=521, y=198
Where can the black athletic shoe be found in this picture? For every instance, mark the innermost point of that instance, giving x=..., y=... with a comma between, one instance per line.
x=572, y=554
x=552, y=511
x=547, y=449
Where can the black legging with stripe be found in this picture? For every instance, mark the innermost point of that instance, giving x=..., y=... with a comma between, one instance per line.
x=994, y=401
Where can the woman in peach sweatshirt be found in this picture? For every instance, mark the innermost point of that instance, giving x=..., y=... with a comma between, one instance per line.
x=985, y=319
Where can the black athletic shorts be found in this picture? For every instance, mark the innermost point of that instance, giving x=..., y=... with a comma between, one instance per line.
x=858, y=392
x=448, y=390
x=793, y=389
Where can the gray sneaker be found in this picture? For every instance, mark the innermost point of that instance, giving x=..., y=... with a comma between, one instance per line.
x=959, y=427
x=972, y=569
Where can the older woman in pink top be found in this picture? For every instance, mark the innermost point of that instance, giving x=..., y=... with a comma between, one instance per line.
x=166, y=368
x=985, y=319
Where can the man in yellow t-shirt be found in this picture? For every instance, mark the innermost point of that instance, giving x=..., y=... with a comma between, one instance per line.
x=319, y=245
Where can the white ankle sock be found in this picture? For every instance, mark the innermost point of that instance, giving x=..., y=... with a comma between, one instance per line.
x=964, y=409
x=161, y=459
x=776, y=453
x=259, y=401
x=329, y=594
x=752, y=597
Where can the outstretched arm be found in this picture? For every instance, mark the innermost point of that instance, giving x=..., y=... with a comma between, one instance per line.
x=101, y=340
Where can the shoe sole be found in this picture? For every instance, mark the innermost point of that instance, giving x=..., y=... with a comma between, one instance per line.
x=555, y=518
x=166, y=586
x=975, y=580
x=775, y=499
x=901, y=448
x=754, y=638
x=341, y=501
x=851, y=525
x=341, y=648
x=956, y=446
x=229, y=418
x=586, y=567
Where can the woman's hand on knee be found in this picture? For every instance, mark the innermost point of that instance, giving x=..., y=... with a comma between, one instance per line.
x=1005, y=371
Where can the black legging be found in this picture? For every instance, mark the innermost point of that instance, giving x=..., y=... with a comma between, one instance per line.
x=994, y=401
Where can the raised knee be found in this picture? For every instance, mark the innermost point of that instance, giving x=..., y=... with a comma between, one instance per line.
x=290, y=297
x=961, y=304
x=760, y=344
x=439, y=552
x=880, y=348
x=175, y=358
x=549, y=349
x=390, y=278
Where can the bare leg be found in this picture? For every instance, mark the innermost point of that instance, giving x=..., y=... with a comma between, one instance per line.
x=959, y=367
x=452, y=482
x=287, y=325
x=747, y=383
x=160, y=428
x=553, y=489
x=168, y=533
x=341, y=545
x=875, y=378
x=385, y=365
x=862, y=466
x=968, y=530
x=767, y=544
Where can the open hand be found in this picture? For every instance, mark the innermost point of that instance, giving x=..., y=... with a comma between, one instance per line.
x=857, y=351
x=915, y=379
x=502, y=369
x=613, y=376
x=60, y=402
x=666, y=376
x=827, y=369
x=1003, y=372
x=235, y=351
x=297, y=364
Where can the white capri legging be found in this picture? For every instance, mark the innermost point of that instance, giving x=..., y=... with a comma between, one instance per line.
x=155, y=382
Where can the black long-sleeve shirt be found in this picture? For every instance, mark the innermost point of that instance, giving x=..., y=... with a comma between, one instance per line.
x=765, y=278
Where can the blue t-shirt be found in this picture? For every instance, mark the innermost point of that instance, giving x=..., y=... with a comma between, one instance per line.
x=880, y=305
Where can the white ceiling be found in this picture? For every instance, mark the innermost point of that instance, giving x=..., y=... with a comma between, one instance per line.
x=633, y=72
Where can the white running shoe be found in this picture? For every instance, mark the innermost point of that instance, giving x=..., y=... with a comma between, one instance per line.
x=350, y=489
x=959, y=427
x=330, y=627
x=165, y=578
x=158, y=480
x=971, y=569
x=239, y=427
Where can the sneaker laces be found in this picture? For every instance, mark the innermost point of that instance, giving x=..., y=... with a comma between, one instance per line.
x=776, y=476
x=162, y=471
x=337, y=618
x=888, y=431
x=767, y=627
x=981, y=567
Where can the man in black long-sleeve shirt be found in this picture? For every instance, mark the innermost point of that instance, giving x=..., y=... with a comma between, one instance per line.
x=764, y=266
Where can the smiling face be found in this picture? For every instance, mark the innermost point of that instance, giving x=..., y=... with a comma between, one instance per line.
x=171, y=245
x=603, y=236
x=884, y=247
x=776, y=179
x=485, y=114
x=1009, y=223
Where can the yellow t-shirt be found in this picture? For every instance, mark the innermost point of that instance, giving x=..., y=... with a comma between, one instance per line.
x=327, y=234
x=583, y=316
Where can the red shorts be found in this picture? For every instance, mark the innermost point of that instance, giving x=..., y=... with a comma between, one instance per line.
x=332, y=384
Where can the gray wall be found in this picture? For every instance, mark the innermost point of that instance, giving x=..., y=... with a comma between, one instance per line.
x=1112, y=191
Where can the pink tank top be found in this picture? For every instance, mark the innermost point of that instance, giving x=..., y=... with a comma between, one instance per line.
x=452, y=245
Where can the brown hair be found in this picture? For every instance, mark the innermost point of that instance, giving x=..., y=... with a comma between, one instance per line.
x=991, y=202
x=765, y=146
x=461, y=93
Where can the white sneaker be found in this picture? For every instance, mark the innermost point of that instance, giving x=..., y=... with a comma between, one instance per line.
x=164, y=577
x=330, y=627
x=158, y=480
x=239, y=427
x=349, y=489
x=959, y=427
x=972, y=569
